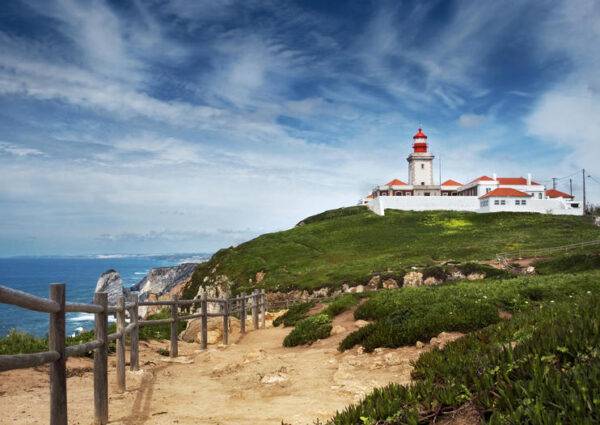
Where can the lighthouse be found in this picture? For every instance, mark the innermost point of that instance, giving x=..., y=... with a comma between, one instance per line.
x=420, y=167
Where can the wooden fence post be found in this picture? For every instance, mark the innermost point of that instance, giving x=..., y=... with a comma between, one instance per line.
x=204, y=329
x=101, y=362
x=58, y=370
x=120, y=313
x=255, y=309
x=174, y=351
x=226, y=321
x=263, y=308
x=243, y=314
x=134, y=355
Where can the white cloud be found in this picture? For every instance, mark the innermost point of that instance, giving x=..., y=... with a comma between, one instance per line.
x=470, y=120
x=15, y=150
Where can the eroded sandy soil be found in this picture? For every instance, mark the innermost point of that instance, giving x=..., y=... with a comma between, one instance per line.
x=252, y=381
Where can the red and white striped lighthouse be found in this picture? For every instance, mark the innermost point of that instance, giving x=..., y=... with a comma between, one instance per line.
x=420, y=141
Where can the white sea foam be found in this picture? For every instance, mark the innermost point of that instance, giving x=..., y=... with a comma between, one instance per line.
x=86, y=317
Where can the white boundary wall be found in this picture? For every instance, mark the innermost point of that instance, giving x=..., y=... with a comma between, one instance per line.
x=423, y=203
x=469, y=203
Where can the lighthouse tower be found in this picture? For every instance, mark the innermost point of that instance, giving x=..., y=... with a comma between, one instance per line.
x=420, y=167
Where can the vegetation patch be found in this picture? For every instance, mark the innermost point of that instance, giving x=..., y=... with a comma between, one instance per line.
x=572, y=263
x=541, y=367
x=294, y=314
x=405, y=316
x=348, y=245
x=309, y=330
x=341, y=304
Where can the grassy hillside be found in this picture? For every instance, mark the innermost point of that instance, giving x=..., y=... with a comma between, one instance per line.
x=349, y=244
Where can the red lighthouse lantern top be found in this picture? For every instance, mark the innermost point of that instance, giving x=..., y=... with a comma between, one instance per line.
x=420, y=142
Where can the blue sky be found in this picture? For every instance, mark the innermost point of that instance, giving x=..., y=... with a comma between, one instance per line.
x=180, y=126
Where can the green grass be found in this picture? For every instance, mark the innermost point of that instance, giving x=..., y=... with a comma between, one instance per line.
x=541, y=367
x=294, y=314
x=341, y=304
x=349, y=245
x=309, y=330
x=569, y=263
x=17, y=342
x=405, y=316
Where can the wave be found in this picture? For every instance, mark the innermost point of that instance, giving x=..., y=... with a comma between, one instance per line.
x=86, y=317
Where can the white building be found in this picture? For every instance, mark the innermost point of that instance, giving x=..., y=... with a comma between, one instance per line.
x=483, y=194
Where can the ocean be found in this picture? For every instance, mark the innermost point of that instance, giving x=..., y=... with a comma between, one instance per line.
x=80, y=274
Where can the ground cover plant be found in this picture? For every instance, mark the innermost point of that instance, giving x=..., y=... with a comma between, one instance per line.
x=405, y=316
x=341, y=304
x=541, y=367
x=294, y=314
x=569, y=263
x=350, y=244
x=17, y=342
x=309, y=330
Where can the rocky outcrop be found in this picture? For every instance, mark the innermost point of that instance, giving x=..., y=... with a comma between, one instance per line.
x=161, y=283
x=413, y=279
x=110, y=282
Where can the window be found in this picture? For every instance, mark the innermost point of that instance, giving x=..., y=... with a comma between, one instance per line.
x=398, y=193
x=540, y=195
x=523, y=202
x=518, y=202
x=502, y=202
x=422, y=166
x=422, y=183
x=487, y=189
x=426, y=194
x=496, y=202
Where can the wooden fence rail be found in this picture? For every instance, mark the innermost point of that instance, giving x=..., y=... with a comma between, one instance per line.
x=56, y=307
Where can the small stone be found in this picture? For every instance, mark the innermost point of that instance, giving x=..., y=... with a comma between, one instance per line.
x=390, y=284
x=476, y=276
x=276, y=378
x=419, y=344
x=359, y=289
x=361, y=323
x=430, y=281
x=360, y=350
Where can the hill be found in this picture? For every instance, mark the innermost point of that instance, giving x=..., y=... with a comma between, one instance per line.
x=348, y=245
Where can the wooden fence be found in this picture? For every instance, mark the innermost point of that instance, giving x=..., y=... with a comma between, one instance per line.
x=58, y=352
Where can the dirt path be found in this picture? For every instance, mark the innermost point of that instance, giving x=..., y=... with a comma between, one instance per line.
x=254, y=381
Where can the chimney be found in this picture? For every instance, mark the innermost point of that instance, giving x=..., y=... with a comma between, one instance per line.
x=494, y=176
x=528, y=179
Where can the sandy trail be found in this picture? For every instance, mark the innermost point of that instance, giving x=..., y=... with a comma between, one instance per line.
x=253, y=381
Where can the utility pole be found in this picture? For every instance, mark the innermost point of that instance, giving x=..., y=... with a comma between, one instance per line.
x=553, y=182
x=571, y=187
x=584, y=197
x=440, y=171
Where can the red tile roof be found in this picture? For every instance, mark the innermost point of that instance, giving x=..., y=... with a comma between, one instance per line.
x=515, y=181
x=479, y=179
x=451, y=183
x=395, y=182
x=553, y=193
x=504, y=192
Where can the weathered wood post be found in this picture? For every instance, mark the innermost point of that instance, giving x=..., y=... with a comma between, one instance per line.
x=58, y=370
x=120, y=313
x=225, y=321
x=263, y=308
x=204, y=329
x=134, y=355
x=255, y=309
x=174, y=351
x=243, y=314
x=101, y=362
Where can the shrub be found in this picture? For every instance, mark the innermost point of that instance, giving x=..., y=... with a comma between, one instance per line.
x=17, y=342
x=489, y=271
x=568, y=263
x=341, y=304
x=294, y=314
x=437, y=272
x=309, y=330
x=408, y=315
x=159, y=331
x=542, y=367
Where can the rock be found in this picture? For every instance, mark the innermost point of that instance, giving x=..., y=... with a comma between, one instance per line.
x=530, y=270
x=359, y=289
x=444, y=338
x=162, y=279
x=110, y=282
x=597, y=221
x=374, y=282
x=361, y=323
x=431, y=281
x=214, y=329
x=476, y=276
x=390, y=284
x=412, y=279
x=345, y=288
x=456, y=275
x=260, y=276
x=360, y=350
x=337, y=329
x=393, y=358
x=276, y=378
x=320, y=293
x=419, y=344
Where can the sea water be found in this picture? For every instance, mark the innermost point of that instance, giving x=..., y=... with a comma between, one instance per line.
x=80, y=274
